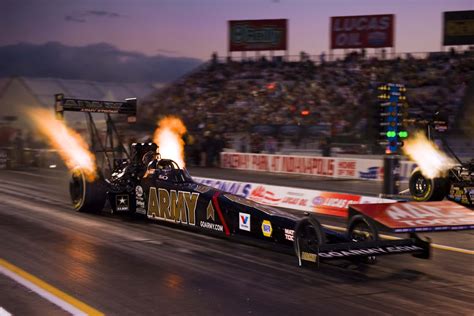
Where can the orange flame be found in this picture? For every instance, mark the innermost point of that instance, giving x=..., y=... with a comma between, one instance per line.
x=433, y=162
x=168, y=136
x=72, y=148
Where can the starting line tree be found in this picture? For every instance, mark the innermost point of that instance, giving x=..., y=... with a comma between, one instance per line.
x=391, y=115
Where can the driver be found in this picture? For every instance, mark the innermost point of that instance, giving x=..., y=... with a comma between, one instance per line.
x=150, y=159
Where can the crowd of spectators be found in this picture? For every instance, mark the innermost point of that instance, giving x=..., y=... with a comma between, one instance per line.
x=265, y=104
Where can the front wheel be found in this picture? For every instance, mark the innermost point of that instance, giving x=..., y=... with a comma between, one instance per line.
x=360, y=230
x=309, y=236
x=86, y=196
x=424, y=189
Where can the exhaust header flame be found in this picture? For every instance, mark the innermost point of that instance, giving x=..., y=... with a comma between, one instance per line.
x=70, y=145
x=432, y=161
x=168, y=136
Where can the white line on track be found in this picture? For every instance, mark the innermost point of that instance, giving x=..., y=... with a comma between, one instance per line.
x=41, y=292
x=4, y=312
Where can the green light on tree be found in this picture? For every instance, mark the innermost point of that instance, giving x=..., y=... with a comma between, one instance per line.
x=403, y=134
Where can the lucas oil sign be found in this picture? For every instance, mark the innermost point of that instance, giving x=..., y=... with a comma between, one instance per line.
x=362, y=31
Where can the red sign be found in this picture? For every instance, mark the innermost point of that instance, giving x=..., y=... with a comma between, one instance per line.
x=419, y=216
x=362, y=31
x=256, y=35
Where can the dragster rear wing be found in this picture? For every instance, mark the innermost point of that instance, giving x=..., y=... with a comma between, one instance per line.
x=127, y=107
x=401, y=217
x=412, y=217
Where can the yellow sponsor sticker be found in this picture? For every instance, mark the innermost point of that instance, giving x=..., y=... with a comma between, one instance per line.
x=267, y=228
x=307, y=256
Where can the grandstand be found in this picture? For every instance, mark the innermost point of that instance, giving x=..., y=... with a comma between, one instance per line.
x=302, y=104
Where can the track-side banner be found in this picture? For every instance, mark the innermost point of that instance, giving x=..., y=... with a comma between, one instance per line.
x=458, y=28
x=257, y=35
x=362, y=31
x=324, y=202
x=334, y=167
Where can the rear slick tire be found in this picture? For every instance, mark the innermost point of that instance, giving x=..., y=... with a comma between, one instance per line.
x=424, y=189
x=86, y=196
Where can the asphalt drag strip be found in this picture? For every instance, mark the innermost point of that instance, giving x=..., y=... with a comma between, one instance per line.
x=119, y=265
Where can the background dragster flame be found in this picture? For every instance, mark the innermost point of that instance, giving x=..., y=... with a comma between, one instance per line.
x=72, y=148
x=433, y=162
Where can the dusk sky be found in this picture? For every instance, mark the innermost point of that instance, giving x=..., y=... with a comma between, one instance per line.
x=196, y=28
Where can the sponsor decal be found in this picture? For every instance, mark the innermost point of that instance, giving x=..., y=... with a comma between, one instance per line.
x=140, y=201
x=202, y=188
x=427, y=215
x=332, y=203
x=254, y=35
x=369, y=251
x=267, y=228
x=456, y=193
x=212, y=226
x=262, y=195
x=308, y=256
x=138, y=191
x=237, y=188
x=458, y=27
x=362, y=31
x=371, y=173
x=172, y=206
x=96, y=106
x=420, y=216
x=319, y=166
x=294, y=201
x=289, y=234
x=244, y=221
x=346, y=168
x=210, y=212
x=334, y=200
x=122, y=202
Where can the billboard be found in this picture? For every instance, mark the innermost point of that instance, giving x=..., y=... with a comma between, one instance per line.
x=362, y=31
x=458, y=28
x=256, y=35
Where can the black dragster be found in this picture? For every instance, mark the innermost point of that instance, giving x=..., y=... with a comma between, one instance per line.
x=144, y=184
x=160, y=190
